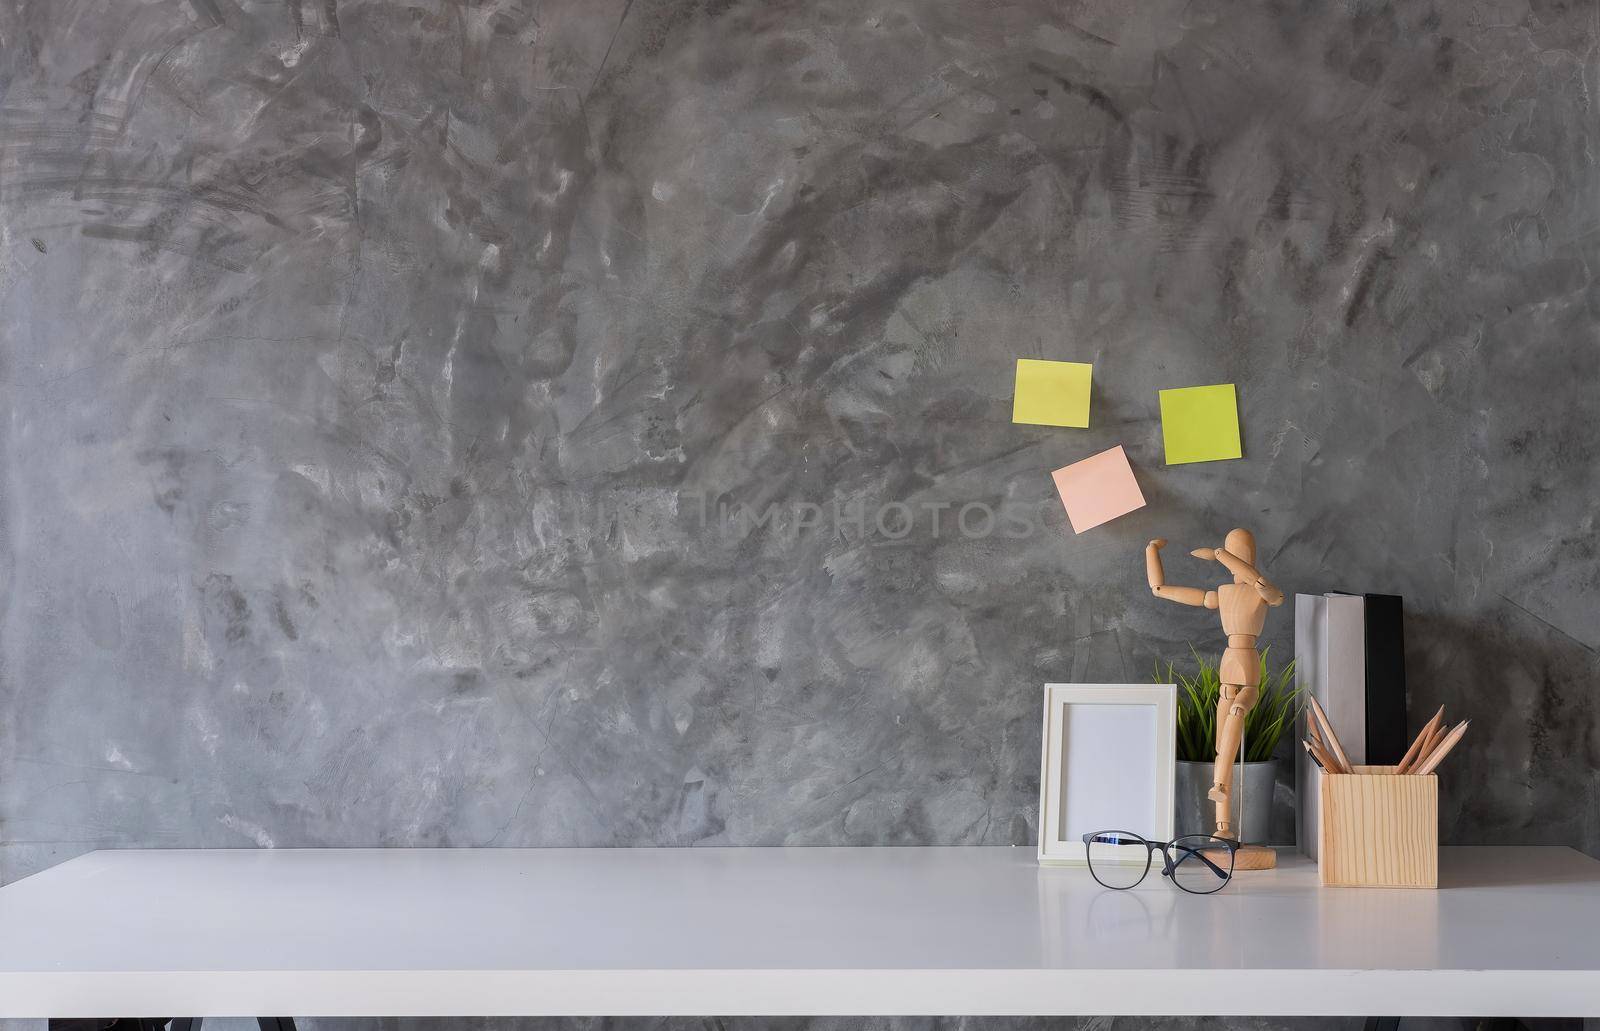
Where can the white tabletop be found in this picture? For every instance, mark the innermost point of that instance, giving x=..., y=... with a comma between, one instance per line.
x=1511, y=932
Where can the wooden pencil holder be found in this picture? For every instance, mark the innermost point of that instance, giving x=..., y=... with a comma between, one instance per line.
x=1378, y=829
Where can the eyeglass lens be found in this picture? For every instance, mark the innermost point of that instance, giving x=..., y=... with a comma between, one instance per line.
x=1118, y=859
x=1201, y=863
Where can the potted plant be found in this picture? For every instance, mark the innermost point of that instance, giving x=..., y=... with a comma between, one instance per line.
x=1274, y=713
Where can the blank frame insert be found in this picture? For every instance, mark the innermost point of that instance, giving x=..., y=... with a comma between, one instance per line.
x=1099, y=790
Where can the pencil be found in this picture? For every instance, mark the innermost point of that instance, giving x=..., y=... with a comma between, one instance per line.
x=1429, y=737
x=1423, y=740
x=1415, y=752
x=1331, y=739
x=1428, y=746
x=1321, y=756
x=1442, y=750
x=1313, y=753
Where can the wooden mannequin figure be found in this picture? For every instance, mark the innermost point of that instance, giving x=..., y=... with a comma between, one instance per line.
x=1243, y=605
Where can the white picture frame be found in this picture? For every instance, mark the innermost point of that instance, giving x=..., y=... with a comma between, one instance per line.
x=1109, y=758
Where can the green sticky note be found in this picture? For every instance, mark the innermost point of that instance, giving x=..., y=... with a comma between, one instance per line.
x=1051, y=393
x=1200, y=424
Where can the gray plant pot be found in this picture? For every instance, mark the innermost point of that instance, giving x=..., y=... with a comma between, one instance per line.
x=1197, y=814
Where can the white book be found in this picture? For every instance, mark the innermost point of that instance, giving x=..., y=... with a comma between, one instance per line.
x=1330, y=652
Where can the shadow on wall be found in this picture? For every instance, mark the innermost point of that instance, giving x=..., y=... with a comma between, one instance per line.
x=1530, y=725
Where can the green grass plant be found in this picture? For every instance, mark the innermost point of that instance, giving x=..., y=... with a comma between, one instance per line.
x=1198, y=691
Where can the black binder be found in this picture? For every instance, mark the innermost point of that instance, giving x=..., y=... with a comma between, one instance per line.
x=1387, y=739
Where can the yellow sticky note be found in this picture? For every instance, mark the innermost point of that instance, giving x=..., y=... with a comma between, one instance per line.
x=1051, y=393
x=1200, y=424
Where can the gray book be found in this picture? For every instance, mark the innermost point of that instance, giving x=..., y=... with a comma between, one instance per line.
x=1330, y=652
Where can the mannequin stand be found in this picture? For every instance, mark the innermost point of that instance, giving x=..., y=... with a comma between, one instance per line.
x=1255, y=857
x=1250, y=857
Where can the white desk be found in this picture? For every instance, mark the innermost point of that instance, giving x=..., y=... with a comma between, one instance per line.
x=1512, y=932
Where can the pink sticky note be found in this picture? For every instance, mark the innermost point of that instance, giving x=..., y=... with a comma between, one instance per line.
x=1098, y=489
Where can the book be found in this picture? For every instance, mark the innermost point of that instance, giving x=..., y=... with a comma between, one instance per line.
x=1330, y=651
x=1385, y=679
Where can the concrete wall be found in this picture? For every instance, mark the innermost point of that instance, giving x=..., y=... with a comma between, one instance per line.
x=376, y=375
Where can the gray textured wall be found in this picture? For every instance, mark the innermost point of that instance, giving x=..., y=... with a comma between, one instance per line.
x=367, y=365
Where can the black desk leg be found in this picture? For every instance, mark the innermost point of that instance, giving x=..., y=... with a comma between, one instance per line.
x=108, y=1023
x=1487, y=1024
x=158, y=1024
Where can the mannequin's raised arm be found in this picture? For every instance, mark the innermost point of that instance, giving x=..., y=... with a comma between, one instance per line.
x=1239, y=567
x=1158, y=581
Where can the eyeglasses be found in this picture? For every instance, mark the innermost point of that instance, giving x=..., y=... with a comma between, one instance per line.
x=1197, y=863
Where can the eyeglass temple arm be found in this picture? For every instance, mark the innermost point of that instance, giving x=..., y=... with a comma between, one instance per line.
x=1187, y=852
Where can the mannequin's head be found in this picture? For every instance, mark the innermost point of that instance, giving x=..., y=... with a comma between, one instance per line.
x=1242, y=542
